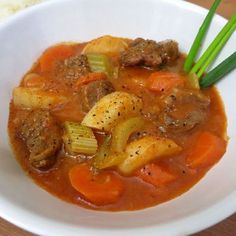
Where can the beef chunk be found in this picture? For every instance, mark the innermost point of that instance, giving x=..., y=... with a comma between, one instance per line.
x=93, y=92
x=149, y=53
x=72, y=68
x=42, y=137
x=182, y=110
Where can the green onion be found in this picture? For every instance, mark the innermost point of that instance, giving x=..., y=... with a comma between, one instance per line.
x=100, y=63
x=218, y=72
x=210, y=54
x=79, y=139
x=200, y=36
x=193, y=81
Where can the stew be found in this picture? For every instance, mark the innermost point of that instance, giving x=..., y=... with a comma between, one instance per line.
x=114, y=124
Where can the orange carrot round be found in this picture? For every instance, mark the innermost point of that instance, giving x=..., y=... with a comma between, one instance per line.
x=53, y=54
x=163, y=81
x=94, y=76
x=207, y=150
x=155, y=175
x=102, y=188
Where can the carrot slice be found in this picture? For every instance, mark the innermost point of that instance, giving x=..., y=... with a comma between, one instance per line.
x=207, y=150
x=102, y=188
x=163, y=81
x=90, y=78
x=53, y=54
x=155, y=175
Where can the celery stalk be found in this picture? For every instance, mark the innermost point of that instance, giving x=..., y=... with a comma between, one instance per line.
x=79, y=139
x=111, y=153
x=100, y=63
x=123, y=130
x=101, y=156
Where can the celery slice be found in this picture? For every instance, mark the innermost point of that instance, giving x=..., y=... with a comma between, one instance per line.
x=100, y=158
x=109, y=161
x=79, y=139
x=100, y=63
x=111, y=152
x=123, y=130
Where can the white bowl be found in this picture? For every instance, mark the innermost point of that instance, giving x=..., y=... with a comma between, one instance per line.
x=22, y=40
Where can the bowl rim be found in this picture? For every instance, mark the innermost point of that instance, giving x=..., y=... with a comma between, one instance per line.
x=202, y=219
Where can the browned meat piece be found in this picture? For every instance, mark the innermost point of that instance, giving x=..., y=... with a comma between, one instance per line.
x=72, y=68
x=182, y=110
x=93, y=92
x=42, y=137
x=150, y=53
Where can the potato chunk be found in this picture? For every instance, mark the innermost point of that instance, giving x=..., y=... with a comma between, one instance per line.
x=112, y=108
x=144, y=150
x=106, y=45
x=34, y=98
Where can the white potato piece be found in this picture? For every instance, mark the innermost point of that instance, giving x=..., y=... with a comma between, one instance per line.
x=112, y=108
x=106, y=45
x=144, y=150
x=34, y=98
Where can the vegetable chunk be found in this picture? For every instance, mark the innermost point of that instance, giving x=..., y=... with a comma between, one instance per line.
x=34, y=98
x=207, y=150
x=112, y=108
x=110, y=160
x=144, y=150
x=100, y=63
x=91, y=77
x=106, y=44
x=101, y=189
x=51, y=55
x=79, y=139
x=163, y=81
x=122, y=131
x=155, y=175
x=111, y=152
